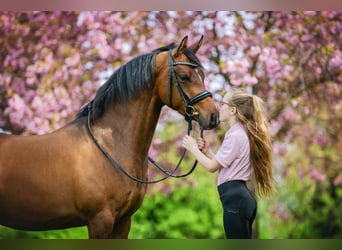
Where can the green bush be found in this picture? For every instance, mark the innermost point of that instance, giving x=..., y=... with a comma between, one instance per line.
x=72, y=233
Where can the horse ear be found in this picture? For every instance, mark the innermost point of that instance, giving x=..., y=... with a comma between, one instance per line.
x=197, y=45
x=181, y=46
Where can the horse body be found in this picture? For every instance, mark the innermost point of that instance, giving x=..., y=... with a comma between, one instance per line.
x=50, y=197
x=62, y=179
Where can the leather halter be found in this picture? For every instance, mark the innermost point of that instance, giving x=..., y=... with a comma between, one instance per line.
x=190, y=112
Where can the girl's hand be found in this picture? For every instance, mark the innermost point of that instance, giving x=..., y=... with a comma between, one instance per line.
x=193, y=146
x=189, y=143
x=202, y=145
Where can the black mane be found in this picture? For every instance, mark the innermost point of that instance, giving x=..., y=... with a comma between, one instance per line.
x=128, y=81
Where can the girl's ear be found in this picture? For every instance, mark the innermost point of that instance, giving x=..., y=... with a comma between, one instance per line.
x=233, y=110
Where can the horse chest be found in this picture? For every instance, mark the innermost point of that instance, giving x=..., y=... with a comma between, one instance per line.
x=129, y=199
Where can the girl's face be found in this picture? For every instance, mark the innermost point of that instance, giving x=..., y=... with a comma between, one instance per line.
x=227, y=112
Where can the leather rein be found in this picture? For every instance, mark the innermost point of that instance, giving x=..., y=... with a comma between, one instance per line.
x=190, y=113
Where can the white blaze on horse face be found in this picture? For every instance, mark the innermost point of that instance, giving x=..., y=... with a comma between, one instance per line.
x=196, y=70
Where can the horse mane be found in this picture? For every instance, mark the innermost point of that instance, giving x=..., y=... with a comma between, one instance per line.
x=128, y=81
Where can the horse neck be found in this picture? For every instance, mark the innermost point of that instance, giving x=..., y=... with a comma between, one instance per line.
x=130, y=125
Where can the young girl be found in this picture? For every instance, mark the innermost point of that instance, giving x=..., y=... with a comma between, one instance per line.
x=245, y=152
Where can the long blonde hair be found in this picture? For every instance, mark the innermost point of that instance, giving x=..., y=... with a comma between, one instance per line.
x=250, y=114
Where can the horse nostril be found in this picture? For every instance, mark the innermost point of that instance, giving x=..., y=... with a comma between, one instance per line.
x=214, y=120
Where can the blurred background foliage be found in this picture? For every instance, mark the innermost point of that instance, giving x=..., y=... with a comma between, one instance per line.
x=51, y=63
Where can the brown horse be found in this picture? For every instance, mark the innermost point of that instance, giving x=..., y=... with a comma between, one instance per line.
x=66, y=178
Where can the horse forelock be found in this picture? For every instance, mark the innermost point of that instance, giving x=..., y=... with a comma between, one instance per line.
x=190, y=54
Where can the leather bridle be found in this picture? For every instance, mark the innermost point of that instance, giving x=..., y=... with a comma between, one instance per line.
x=190, y=113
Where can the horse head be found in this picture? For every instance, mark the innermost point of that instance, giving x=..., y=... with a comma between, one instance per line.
x=184, y=89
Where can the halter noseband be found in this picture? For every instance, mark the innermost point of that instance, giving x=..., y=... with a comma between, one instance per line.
x=190, y=111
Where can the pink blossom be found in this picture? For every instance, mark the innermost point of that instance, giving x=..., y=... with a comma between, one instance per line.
x=336, y=60
x=229, y=66
x=37, y=103
x=153, y=151
x=290, y=115
x=315, y=174
x=322, y=140
x=18, y=85
x=236, y=82
x=282, y=212
x=17, y=110
x=274, y=127
x=104, y=52
x=318, y=70
x=309, y=13
x=88, y=19
x=39, y=125
x=338, y=181
x=254, y=51
x=31, y=80
x=287, y=70
x=250, y=80
x=240, y=66
x=272, y=66
x=88, y=88
x=280, y=149
x=73, y=60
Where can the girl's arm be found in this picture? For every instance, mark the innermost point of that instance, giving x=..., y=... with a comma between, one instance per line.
x=207, y=160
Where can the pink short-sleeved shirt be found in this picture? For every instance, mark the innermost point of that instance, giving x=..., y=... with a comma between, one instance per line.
x=233, y=156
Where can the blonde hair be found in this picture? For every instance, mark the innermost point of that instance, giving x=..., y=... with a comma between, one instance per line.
x=250, y=114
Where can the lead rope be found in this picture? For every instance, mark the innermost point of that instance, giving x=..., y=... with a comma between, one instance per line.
x=172, y=174
x=119, y=167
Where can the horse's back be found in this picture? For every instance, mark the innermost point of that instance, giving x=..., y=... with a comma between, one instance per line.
x=3, y=139
x=28, y=152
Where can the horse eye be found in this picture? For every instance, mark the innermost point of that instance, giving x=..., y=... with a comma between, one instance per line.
x=184, y=78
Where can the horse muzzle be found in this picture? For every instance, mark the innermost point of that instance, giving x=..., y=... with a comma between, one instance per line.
x=206, y=122
x=210, y=123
